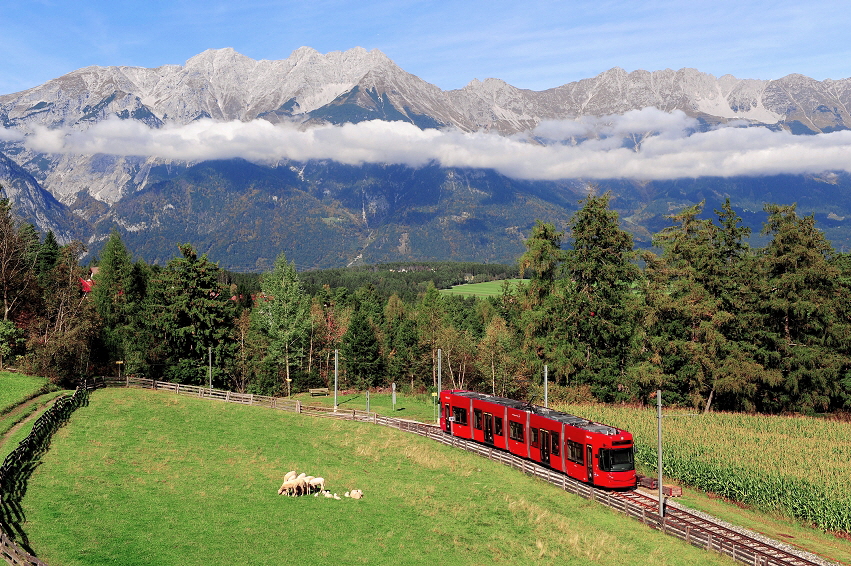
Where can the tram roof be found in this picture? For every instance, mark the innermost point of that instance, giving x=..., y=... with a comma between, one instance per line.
x=557, y=416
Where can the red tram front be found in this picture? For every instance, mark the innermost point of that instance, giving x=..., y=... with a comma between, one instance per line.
x=591, y=452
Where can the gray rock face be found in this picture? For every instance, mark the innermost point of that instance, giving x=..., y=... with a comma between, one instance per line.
x=309, y=87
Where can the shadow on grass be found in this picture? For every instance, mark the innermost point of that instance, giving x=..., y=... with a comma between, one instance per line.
x=20, y=464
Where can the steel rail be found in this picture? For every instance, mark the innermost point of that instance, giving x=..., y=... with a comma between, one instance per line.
x=695, y=530
x=722, y=533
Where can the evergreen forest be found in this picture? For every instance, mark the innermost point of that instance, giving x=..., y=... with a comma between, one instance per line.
x=715, y=323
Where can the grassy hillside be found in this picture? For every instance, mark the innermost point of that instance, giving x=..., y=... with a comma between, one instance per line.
x=141, y=477
x=20, y=404
x=15, y=388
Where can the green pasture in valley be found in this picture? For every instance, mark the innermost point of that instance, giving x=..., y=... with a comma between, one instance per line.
x=487, y=289
x=145, y=477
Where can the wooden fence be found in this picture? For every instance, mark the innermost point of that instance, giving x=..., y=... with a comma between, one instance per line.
x=17, y=468
x=738, y=552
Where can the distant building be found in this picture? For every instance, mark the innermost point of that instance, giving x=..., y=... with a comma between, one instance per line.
x=88, y=284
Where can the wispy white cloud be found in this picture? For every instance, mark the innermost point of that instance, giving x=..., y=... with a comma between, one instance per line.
x=647, y=144
x=10, y=135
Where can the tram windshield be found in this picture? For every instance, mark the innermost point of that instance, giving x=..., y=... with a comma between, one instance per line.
x=621, y=460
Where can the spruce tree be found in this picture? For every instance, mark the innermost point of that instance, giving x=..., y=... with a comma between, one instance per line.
x=361, y=351
x=599, y=282
x=800, y=309
x=111, y=295
x=48, y=256
x=190, y=312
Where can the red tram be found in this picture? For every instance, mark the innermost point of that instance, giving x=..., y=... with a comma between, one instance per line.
x=591, y=452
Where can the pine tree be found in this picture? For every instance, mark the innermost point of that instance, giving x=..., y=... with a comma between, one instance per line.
x=688, y=316
x=800, y=310
x=361, y=351
x=48, y=256
x=190, y=312
x=599, y=287
x=111, y=294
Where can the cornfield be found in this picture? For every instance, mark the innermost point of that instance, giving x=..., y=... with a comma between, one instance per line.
x=798, y=465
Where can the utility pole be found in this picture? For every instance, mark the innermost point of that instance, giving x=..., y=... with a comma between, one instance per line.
x=210, y=366
x=546, y=387
x=659, y=451
x=439, y=385
x=335, y=380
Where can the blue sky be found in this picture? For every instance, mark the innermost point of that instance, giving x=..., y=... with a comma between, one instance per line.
x=535, y=44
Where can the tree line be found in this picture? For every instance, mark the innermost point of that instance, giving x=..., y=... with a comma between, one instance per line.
x=715, y=323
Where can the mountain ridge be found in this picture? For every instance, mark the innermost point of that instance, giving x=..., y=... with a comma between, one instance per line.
x=355, y=206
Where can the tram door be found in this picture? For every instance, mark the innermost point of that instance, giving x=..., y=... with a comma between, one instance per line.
x=447, y=413
x=545, y=447
x=589, y=461
x=488, y=428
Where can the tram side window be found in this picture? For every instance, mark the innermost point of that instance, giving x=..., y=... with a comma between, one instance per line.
x=574, y=452
x=535, y=437
x=477, y=418
x=555, y=444
x=460, y=414
x=515, y=431
x=497, y=426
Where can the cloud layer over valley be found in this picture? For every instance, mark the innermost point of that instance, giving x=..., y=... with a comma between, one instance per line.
x=643, y=144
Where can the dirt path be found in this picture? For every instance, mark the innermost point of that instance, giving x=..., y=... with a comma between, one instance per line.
x=41, y=401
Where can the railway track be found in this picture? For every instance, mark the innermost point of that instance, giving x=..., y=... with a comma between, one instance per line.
x=695, y=529
x=719, y=537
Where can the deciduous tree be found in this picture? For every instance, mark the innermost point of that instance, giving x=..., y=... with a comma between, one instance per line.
x=282, y=313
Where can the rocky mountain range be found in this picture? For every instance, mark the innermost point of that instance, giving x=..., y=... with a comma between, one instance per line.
x=324, y=212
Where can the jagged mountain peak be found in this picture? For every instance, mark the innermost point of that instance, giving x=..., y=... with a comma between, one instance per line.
x=218, y=57
x=337, y=87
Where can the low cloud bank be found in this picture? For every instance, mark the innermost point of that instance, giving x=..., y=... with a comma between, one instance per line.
x=644, y=144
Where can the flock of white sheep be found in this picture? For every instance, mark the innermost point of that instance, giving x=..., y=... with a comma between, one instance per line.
x=301, y=484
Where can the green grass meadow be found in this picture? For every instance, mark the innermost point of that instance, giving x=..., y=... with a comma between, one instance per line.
x=144, y=477
x=418, y=407
x=15, y=392
x=487, y=289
